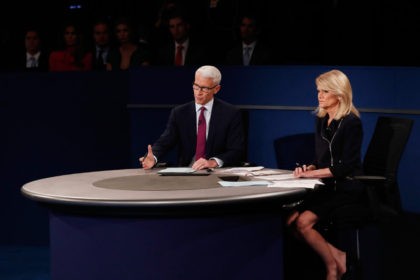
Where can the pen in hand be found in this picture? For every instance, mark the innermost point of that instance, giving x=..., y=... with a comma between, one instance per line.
x=298, y=165
x=299, y=170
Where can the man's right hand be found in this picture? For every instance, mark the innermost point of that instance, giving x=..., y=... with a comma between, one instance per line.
x=148, y=161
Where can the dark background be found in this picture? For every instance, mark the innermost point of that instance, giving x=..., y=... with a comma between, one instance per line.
x=323, y=32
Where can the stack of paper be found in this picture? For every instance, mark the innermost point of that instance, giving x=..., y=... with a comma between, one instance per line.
x=243, y=183
x=176, y=170
x=242, y=171
x=288, y=180
x=270, y=178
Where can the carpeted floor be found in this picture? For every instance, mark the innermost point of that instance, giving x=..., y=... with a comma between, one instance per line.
x=24, y=262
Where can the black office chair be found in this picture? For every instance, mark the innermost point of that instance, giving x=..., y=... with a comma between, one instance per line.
x=380, y=167
x=295, y=148
x=381, y=164
x=292, y=149
x=245, y=121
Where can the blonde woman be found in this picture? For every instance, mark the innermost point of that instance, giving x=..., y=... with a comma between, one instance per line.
x=338, y=141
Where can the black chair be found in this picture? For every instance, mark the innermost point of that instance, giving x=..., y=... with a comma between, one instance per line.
x=380, y=167
x=292, y=149
x=295, y=148
x=381, y=164
x=245, y=121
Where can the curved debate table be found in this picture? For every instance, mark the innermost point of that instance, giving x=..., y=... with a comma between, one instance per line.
x=136, y=224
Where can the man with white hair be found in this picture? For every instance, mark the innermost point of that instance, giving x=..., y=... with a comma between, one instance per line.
x=209, y=132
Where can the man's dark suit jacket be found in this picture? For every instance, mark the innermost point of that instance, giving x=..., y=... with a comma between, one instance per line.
x=197, y=54
x=262, y=55
x=96, y=64
x=225, y=137
x=20, y=63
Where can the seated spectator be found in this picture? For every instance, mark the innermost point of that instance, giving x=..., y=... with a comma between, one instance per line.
x=250, y=50
x=160, y=26
x=73, y=56
x=33, y=57
x=128, y=53
x=183, y=49
x=102, y=44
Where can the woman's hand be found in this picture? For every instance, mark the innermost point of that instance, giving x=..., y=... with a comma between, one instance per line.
x=303, y=170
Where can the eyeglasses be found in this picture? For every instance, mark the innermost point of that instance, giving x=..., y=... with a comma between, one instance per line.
x=204, y=89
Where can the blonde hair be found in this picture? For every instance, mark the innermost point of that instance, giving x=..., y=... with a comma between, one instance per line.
x=338, y=84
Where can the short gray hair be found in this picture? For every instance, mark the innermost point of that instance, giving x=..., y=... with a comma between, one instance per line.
x=211, y=72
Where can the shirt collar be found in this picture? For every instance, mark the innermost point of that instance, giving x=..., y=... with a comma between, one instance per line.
x=185, y=44
x=208, y=105
x=36, y=56
x=104, y=49
x=251, y=46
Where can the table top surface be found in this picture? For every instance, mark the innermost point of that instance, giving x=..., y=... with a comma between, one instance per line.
x=138, y=187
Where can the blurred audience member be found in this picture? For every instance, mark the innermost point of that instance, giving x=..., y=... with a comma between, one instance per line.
x=183, y=49
x=73, y=56
x=102, y=44
x=164, y=11
x=159, y=34
x=250, y=50
x=128, y=53
x=33, y=57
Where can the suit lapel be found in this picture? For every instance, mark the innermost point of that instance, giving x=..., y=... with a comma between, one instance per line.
x=214, y=120
x=192, y=127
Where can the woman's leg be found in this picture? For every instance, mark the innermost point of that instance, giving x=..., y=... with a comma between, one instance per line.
x=330, y=255
x=290, y=222
x=340, y=259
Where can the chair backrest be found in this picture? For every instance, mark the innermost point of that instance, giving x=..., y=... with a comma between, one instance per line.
x=384, y=153
x=245, y=122
x=292, y=149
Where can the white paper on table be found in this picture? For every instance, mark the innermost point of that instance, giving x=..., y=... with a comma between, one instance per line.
x=243, y=183
x=296, y=183
x=242, y=169
x=176, y=170
x=268, y=172
x=278, y=177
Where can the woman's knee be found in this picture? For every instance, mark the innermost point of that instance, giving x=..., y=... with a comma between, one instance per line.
x=305, y=221
x=292, y=218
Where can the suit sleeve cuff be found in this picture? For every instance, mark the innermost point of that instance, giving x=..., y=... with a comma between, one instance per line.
x=219, y=161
